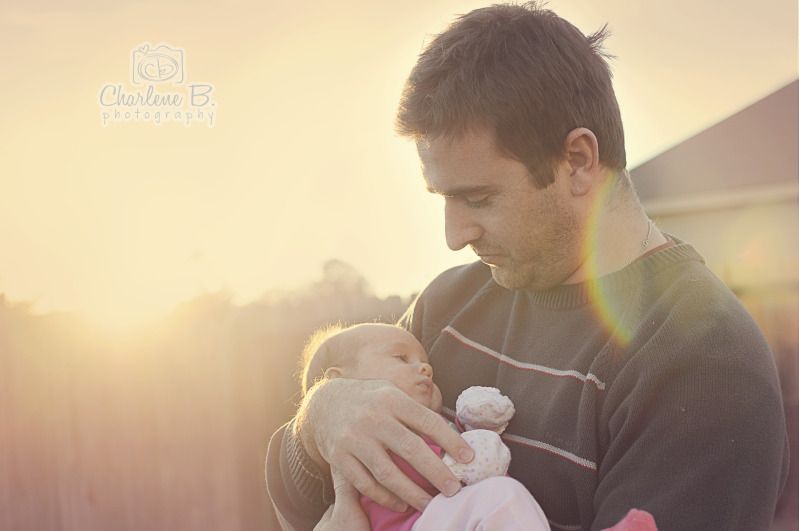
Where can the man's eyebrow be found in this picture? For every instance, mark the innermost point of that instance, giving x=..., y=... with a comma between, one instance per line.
x=462, y=190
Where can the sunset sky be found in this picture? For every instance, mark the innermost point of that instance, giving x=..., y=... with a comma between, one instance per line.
x=302, y=164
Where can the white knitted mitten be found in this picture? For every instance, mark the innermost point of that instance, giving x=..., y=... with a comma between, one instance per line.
x=491, y=457
x=484, y=408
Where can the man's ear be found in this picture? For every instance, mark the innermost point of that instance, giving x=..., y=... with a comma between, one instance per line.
x=581, y=160
x=333, y=372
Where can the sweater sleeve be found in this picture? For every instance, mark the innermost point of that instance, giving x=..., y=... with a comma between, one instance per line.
x=299, y=490
x=695, y=430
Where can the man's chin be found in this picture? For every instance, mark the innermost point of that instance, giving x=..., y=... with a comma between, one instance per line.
x=508, y=279
x=515, y=279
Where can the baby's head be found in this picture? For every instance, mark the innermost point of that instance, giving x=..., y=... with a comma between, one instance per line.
x=371, y=351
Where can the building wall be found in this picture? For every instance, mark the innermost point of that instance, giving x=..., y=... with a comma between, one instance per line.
x=746, y=245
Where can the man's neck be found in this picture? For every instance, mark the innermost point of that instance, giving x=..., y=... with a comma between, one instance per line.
x=613, y=238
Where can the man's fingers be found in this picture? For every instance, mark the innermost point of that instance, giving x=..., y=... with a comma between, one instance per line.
x=386, y=473
x=428, y=422
x=423, y=459
x=431, y=424
x=362, y=480
x=343, y=488
x=347, y=514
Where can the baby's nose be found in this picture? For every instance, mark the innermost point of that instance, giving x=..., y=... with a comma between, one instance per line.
x=426, y=369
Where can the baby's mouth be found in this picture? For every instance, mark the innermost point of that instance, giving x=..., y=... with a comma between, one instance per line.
x=426, y=386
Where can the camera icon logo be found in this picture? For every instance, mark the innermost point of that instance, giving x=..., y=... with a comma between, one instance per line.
x=157, y=65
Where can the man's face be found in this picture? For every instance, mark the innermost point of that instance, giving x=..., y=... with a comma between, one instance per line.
x=529, y=237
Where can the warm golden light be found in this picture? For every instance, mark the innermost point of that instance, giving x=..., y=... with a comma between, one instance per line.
x=125, y=220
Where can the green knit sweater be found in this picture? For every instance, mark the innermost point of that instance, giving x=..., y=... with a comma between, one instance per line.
x=650, y=388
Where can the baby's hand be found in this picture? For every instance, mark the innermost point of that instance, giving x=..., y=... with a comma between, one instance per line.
x=484, y=408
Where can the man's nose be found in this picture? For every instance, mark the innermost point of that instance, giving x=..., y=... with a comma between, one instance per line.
x=460, y=227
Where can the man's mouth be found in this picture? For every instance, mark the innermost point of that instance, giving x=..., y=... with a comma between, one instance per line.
x=486, y=256
x=490, y=259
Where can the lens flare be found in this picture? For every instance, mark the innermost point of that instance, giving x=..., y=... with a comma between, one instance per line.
x=607, y=306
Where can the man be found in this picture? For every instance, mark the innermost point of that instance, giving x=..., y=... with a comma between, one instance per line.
x=639, y=380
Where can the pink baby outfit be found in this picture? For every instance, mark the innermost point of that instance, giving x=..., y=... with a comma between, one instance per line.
x=498, y=503
x=494, y=504
x=383, y=519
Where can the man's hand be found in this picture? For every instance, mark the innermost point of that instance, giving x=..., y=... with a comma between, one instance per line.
x=346, y=514
x=352, y=423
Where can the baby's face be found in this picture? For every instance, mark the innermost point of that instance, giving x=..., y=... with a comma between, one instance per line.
x=393, y=354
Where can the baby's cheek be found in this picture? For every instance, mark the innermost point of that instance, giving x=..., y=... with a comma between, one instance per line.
x=436, y=401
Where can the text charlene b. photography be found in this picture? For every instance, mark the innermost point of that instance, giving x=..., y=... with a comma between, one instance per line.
x=160, y=91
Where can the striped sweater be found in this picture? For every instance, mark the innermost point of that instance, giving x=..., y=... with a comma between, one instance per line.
x=650, y=388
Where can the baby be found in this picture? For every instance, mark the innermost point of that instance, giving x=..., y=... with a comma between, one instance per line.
x=490, y=500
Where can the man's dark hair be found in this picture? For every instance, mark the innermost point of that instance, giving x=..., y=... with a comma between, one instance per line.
x=524, y=73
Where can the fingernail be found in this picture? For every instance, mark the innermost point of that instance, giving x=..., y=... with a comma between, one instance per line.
x=467, y=454
x=452, y=487
x=400, y=507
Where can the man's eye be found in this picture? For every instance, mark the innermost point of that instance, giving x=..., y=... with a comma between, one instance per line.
x=477, y=201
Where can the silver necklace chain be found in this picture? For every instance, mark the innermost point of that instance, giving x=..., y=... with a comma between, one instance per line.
x=648, y=234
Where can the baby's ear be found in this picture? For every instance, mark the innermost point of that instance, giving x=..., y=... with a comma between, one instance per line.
x=333, y=372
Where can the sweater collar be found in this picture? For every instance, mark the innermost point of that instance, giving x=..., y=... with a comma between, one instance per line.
x=573, y=295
